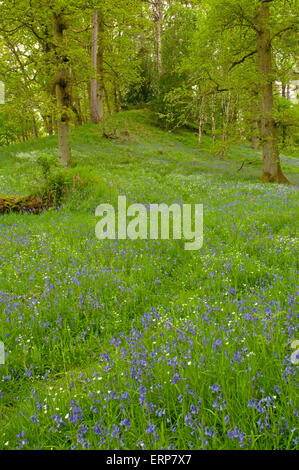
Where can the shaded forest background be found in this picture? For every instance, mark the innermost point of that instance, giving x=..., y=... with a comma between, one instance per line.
x=227, y=68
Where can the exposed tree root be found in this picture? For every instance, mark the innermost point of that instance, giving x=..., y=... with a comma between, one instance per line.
x=278, y=178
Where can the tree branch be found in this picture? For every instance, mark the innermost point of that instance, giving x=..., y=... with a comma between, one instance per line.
x=288, y=28
x=247, y=19
x=234, y=64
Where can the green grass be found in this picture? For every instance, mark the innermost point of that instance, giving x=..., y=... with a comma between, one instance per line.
x=141, y=344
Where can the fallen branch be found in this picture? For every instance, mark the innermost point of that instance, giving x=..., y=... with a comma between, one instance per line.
x=29, y=204
x=241, y=166
x=249, y=163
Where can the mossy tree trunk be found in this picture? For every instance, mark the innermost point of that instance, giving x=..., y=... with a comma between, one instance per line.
x=272, y=171
x=63, y=90
x=100, y=67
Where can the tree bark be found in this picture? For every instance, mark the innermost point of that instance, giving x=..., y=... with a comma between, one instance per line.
x=202, y=119
x=283, y=127
x=94, y=111
x=63, y=90
x=97, y=58
x=100, y=67
x=76, y=108
x=226, y=120
x=107, y=100
x=213, y=109
x=116, y=98
x=283, y=90
x=48, y=124
x=271, y=162
x=35, y=126
x=255, y=122
x=158, y=18
x=255, y=141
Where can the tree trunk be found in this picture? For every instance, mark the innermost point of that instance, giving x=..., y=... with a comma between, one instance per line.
x=213, y=108
x=76, y=108
x=202, y=119
x=283, y=90
x=158, y=18
x=283, y=127
x=94, y=111
x=100, y=68
x=97, y=57
x=235, y=111
x=35, y=127
x=255, y=141
x=63, y=89
x=116, y=98
x=255, y=123
x=48, y=124
x=226, y=118
x=107, y=100
x=271, y=163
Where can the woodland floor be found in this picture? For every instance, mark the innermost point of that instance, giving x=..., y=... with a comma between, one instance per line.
x=141, y=344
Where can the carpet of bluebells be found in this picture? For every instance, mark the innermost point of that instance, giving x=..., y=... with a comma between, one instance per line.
x=141, y=344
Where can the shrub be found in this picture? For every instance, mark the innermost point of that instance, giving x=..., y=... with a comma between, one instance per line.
x=46, y=163
x=56, y=186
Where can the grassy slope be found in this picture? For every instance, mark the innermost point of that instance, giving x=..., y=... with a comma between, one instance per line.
x=201, y=339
